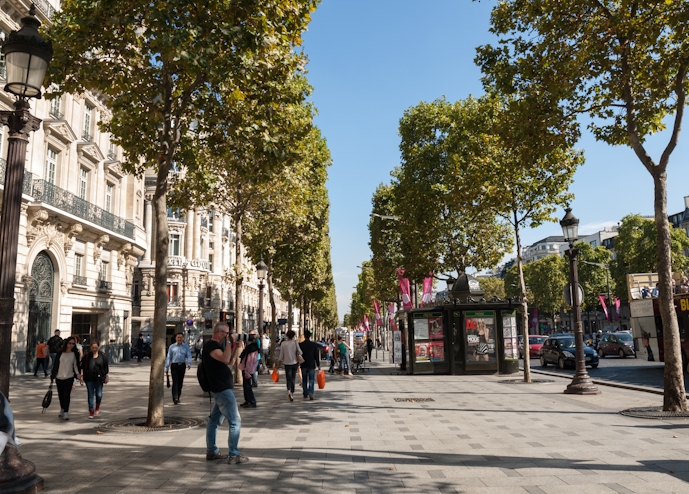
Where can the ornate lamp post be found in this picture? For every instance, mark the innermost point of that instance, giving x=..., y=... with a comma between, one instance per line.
x=261, y=273
x=581, y=382
x=27, y=57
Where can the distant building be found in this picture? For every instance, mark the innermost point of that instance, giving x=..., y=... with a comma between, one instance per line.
x=553, y=245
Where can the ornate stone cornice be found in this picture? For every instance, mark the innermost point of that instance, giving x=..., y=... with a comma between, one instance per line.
x=60, y=129
x=91, y=151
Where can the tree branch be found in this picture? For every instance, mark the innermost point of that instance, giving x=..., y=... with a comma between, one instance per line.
x=679, y=114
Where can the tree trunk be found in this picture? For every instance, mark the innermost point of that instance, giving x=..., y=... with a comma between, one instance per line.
x=273, y=319
x=156, y=389
x=524, y=302
x=289, y=311
x=239, y=287
x=674, y=398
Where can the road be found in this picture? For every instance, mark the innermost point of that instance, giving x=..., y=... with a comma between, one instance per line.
x=633, y=371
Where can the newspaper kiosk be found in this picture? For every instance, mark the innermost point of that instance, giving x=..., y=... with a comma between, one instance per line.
x=466, y=335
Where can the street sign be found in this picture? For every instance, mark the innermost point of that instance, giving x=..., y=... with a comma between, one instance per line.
x=567, y=293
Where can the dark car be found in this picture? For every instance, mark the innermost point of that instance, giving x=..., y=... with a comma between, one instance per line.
x=620, y=343
x=560, y=350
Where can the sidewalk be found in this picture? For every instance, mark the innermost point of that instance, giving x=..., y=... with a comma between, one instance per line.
x=478, y=436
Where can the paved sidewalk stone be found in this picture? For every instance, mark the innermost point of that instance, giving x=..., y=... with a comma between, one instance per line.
x=479, y=435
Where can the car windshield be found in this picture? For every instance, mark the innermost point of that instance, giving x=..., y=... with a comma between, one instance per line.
x=567, y=342
x=537, y=341
x=624, y=336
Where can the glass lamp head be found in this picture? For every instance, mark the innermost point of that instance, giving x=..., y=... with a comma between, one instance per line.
x=570, y=226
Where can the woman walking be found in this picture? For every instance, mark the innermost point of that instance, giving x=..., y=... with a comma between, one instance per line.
x=289, y=355
x=94, y=372
x=343, y=350
x=65, y=369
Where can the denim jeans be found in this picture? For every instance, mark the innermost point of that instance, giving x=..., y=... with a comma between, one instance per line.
x=52, y=360
x=307, y=381
x=225, y=407
x=291, y=374
x=254, y=379
x=94, y=388
x=344, y=362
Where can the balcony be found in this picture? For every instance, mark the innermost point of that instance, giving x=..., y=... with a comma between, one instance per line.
x=136, y=301
x=176, y=216
x=173, y=301
x=105, y=286
x=80, y=280
x=204, y=222
x=45, y=7
x=177, y=262
x=225, y=232
x=112, y=155
x=86, y=137
x=56, y=114
x=28, y=178
x=66, y=201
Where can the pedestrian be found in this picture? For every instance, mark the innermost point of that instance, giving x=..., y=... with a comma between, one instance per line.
x=178, y=357
x=94, y=372
x=645, y=292
x=79, y=347
x=655, y=292
x=140, y=347
x=65, y=369
x=378, y=343
x=332, y=351
x=343, y=352
x=311, y=353
x=42, y=356
x=198, y=346
x=265, y=349
x=254, y=375
x=216, y=358
x=647, y=345
x=289, y=355
x=54, y=346
x=369, y=347
x=248, y=362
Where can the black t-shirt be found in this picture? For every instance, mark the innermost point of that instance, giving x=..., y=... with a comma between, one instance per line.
x=55, y=344
x=218, y=373
x=309, y=351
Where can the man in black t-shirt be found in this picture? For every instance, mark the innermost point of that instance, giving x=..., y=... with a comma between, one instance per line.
x=54, y=347
x=216, y=358
x=309, y=351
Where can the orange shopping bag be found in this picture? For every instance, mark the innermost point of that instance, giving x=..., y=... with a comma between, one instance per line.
x=275, y=376
x=321, y=379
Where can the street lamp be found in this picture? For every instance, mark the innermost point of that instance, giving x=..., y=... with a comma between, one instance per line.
x=261, y=273
x=27, y=56
x=581, y=382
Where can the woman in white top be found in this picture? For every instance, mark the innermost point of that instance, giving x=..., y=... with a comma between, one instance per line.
x=65, y=369
x=289, y=355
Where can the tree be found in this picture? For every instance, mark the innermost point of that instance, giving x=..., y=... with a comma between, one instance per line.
x=547, y=279
x=167, y=69
x=636, y=246
x=593, y=279
x=493, y=287
x=384, y=241
x=439, y=234
x=622, y=63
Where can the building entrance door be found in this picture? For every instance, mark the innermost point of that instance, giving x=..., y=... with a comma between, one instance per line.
x=41, y=293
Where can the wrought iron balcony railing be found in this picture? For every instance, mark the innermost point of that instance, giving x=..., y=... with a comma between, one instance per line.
x=204, y=222
x=225, y=231
x=104, y=285
x=86, y=136
x=56, y=114
x=28, y=178
x=176, y=216
x=136, y=301
x=81, y=280
x=45, y=7
x=173, y=301
x=68, y=202
x=112, y=155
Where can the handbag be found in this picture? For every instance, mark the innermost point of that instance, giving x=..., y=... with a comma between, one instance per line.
x=275, y=376
x=47, y=398
x=300, y=358
x=320, y=377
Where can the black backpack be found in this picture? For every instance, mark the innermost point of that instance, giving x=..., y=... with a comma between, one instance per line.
x=203, y=378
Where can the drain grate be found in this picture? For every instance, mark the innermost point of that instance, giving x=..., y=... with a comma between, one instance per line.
x=413, y=400
x=653, y=413
x=139, y=425
x=521, y=381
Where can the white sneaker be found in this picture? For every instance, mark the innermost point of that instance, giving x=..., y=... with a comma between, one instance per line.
x=66, y=416
x=62, y=413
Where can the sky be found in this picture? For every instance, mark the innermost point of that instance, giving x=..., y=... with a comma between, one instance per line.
x=370, y=60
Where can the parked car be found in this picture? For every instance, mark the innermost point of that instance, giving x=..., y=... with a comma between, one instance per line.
x=560, y=350
x=620, y=343
x=535, y=343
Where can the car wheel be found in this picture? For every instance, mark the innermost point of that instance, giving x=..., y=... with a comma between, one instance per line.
x=622, y=354
x=543, y=362
x=593, y=366
x=561, y=363
x=601, y=353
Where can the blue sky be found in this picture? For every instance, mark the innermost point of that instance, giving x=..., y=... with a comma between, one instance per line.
x=369, y=60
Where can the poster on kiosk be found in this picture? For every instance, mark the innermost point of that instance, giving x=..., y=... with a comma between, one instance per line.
x=396, y=347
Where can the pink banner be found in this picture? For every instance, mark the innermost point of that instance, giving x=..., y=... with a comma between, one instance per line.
x=427, y=290
x=379, y=318
x=404, y=288
x=617, y=308
x=605, y=307
x=391, y=312
x=367, y=327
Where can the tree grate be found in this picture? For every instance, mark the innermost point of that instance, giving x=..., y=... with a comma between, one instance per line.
x=413, y=400
x=521, y=381
x=653, y=413
x=138, y=424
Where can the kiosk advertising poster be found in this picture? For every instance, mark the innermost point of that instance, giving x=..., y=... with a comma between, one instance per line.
x=396, y=347
x=480, y=332
x=509, y=333
x=429, y=337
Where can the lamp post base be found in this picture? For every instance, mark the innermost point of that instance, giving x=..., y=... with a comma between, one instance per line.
x=582, y=385
x=18, y=475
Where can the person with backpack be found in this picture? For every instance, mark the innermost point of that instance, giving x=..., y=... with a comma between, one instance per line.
x=94, y=371
x=248, y=362
x=214, y=375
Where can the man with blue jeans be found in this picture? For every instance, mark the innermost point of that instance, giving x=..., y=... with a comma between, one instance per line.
x=310, y=353
x=216, y=358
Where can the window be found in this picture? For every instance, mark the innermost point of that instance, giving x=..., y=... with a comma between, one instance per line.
x=55, y=105
x=209, y=294
x=202, y=251
x=211, y=215
x=88, y=110
x=108, y=198
x=78, y=263
x=104, y=268
x=594, y=243
x=172, y=294
x=210, y=262
x=210, y=245
x=173, y=249
x=50, y=166
x=83, y=182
